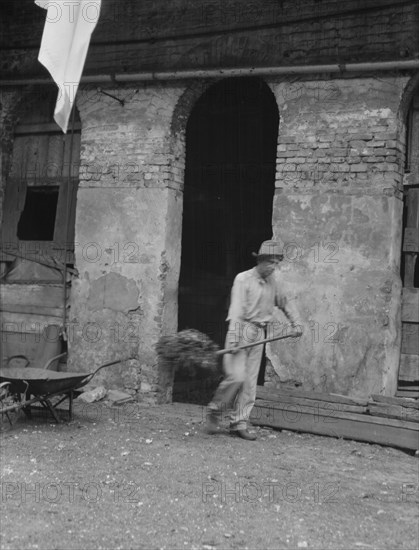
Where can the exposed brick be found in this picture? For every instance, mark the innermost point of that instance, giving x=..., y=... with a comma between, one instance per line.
x=289, y=168
x=285, y=154
x=386, y=136
x=375, y=143
x=286, y=139
x=363, y=137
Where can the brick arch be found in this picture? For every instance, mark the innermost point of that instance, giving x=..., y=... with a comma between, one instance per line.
x=203, y=242
x=181, y=113
x=411, y=88
x=186, y=103
x=191, y=95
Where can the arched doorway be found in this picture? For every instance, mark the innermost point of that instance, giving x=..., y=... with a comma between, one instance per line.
x=231, y=143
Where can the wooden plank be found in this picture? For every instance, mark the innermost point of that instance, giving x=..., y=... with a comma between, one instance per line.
x=409, y=368
x=15, y=193
x=16, y=322
x=411, y=240
x=410, y=305
x=31, y=295
x=33, y=272
x=333, y=414
x=19, y=343
x=261, y=392
x=408, y=386
x=393, y=411
x=410, y=338
x=66, y=194
x=32, y=310
x=403, y=402
x=42, y=128
x=412, y=204
x=362, y=427
x=413, y=394
x=267, y=395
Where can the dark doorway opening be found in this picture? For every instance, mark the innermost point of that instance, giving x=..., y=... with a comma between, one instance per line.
x=231, y=142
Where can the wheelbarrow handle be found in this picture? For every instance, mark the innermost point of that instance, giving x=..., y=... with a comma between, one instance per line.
x=258, y=343
x=91, y=375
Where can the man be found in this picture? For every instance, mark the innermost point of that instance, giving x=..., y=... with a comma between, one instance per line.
x=254, y=296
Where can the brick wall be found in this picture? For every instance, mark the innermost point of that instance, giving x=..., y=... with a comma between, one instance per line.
x=129, y=211
x=338, y=206
x=150, y=36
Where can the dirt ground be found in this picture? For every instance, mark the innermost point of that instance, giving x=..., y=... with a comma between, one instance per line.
x=147, y=477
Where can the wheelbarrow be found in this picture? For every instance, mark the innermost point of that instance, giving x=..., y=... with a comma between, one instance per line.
x=41, y=386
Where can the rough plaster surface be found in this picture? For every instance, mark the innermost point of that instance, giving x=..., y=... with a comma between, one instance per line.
x=338, y=207
x=128, y=225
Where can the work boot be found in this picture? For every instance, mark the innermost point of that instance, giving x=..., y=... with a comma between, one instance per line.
x=211, y=423
x=244, y=434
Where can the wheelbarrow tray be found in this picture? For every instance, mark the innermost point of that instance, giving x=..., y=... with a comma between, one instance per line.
x=42, y=382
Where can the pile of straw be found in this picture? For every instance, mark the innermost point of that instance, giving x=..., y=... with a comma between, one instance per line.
x=188, y=348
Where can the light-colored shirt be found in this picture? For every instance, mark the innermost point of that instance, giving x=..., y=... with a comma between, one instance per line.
x=254, y=298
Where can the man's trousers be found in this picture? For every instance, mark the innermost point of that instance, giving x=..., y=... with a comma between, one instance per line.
x=237, y=392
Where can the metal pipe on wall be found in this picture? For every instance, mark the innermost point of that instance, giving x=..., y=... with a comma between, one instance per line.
x=412, y=64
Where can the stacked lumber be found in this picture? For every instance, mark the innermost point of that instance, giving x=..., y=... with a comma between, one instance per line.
x=408, y=379
x=394, y=407
x=383, y=420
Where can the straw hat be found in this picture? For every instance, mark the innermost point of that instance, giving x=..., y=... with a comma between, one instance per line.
x=273, y=249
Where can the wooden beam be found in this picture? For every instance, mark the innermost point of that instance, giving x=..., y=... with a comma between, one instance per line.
x=270, y=393
x=49, y=127
x=409, y=368
x=410, y=305
x=412, y=394
x=360, y=427
x=29, y=323
x=411, y=240
x=32, y=310
x=393, y=411
x=31, y=295
x=410, y=338
x=404, y=402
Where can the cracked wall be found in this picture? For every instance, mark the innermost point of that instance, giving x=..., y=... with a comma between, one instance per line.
x=338, y=206
x=127, y=249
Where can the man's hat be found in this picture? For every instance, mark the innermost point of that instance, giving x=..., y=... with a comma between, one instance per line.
x=273, y=249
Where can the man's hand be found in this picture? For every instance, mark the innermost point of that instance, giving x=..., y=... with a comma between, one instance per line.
x=296, y=330
x=233, y=347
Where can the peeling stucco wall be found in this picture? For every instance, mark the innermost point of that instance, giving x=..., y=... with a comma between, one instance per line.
x=338, y=208
x=128, y=226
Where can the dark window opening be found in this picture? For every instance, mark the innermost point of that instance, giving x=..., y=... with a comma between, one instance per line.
x=37, y=220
